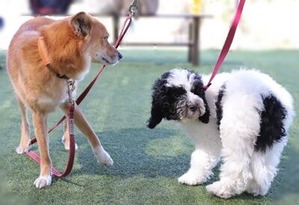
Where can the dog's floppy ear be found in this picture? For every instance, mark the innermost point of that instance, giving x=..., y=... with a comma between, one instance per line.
x=205, y=117
x=199, y=90
x=158, y=101
x=156, y=116
x=81, y=24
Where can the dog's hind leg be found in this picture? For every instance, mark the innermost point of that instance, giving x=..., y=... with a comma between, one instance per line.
x=236, y=171
x=25, y=132
x=264, y=166
x=66, y=138
x=80, y=121
x=40, y=130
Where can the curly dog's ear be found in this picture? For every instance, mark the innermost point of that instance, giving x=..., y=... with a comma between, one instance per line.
x=158, y=101
x=199, y=90
x=205, y=118
x=156, y=116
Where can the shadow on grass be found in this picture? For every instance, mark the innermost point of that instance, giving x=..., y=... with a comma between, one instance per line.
x=286, y=184
x=130, y=151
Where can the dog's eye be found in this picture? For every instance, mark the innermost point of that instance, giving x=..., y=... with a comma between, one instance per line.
x=106, y=39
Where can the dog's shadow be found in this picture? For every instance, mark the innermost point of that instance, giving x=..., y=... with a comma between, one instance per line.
x=131, y=150
x=286, y=183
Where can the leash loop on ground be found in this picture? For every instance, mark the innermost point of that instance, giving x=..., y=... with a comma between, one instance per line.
x=228, y=42
x=72, y=148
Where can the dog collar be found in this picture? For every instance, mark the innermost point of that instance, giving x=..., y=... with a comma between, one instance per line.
x=43, y=52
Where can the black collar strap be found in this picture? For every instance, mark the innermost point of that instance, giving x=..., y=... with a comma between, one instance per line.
x=57, y=74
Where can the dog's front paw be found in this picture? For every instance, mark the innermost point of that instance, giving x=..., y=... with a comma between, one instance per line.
x=191, y=178
x=22, y=150
x=43, y=181
x=102, y=156
x=23, y=147
x=220, y=189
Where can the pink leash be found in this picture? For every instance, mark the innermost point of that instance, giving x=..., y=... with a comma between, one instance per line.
x=228, y=42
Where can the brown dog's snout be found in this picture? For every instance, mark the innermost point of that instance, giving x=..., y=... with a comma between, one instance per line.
x=119, y=55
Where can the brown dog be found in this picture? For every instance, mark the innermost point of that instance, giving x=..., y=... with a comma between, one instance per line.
x=72, y=44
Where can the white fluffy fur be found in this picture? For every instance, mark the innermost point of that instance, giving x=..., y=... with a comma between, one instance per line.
x=243, y=168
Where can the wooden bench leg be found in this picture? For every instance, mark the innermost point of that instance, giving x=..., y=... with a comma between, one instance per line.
x=190, y=41
x=193, y=37
x=195, y=53
x=115, y=23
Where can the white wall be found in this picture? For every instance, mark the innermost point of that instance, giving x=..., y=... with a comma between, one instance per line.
x=265, y=24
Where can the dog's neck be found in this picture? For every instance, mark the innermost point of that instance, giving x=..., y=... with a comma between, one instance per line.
x=43, y=52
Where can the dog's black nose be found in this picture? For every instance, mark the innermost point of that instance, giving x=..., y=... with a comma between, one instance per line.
x=193, y=108
x=119, y=55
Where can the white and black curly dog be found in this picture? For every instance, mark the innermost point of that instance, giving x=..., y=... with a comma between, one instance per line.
x=242, y=118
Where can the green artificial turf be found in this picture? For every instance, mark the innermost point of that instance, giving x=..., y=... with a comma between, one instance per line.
x=147, y=162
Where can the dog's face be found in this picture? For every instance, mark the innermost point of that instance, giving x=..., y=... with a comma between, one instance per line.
x=96, y=36
x=178, y=95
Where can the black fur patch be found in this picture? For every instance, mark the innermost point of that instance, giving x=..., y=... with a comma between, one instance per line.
x=169, y=101
x=164, y=100
x=198, y=89
x=271, y=126
x=218, y=104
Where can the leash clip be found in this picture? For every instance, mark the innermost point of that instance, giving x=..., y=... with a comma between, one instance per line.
x=70, y=88
x=133, y=7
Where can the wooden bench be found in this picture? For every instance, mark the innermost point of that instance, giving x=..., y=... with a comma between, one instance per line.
x=193, y=42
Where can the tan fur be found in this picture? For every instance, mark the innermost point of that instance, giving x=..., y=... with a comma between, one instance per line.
x=72, y=43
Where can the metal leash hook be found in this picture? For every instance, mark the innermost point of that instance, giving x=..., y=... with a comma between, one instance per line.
x=133, y=7
x=70, y=89
x=132, y=10
x=71, y=107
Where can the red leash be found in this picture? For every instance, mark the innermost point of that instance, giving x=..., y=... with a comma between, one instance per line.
x=228, y=42
x=71, y=108
x=72, y=148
